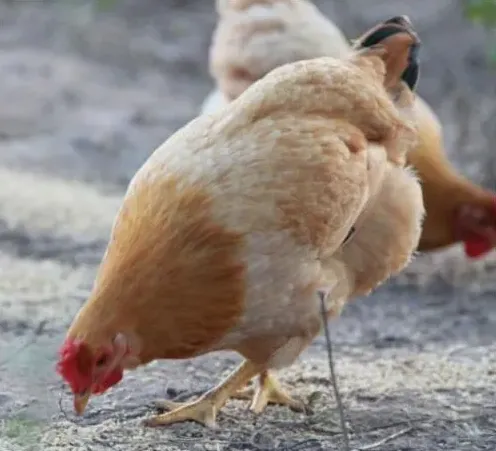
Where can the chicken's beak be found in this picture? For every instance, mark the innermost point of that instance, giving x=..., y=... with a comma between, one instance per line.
x=81, y=401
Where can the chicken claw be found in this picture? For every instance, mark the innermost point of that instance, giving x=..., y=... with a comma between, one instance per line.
x=204, y=409
x=269, y=391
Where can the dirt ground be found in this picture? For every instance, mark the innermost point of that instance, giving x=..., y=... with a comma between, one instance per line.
x=86, y=96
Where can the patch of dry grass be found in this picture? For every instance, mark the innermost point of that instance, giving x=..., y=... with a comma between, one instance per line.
x=44, y=205
x=452, y=268
x=378, y=375
x=390, y=401
x=34, y=291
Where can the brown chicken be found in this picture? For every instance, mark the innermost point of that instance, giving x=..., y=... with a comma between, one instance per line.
x=234, y=227
x=255, y=36
x=457, y=209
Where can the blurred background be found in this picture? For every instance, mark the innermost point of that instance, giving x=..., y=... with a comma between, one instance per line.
x=88, y=89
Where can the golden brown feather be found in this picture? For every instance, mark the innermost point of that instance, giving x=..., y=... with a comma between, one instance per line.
x=446, y=193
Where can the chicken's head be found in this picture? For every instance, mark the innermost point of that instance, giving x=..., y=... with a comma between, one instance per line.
x=89, y=370
x=476, y=228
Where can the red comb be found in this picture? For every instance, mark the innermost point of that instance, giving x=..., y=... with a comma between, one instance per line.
x=73, y=366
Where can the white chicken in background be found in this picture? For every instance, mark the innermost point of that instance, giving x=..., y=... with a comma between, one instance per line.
x=255, y=36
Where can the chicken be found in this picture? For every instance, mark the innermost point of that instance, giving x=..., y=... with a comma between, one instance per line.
x=457, y=209
x=254, y=36
x=233, y=228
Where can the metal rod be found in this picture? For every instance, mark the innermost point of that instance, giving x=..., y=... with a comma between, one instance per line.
x=332, y=372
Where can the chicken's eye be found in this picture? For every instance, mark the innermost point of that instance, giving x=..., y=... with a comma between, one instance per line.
x=102, y=361
x=350, y=234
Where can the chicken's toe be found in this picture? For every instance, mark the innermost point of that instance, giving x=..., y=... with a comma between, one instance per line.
x=246, y=393
x=269, y=391
x=202, y=411
x=167, y=405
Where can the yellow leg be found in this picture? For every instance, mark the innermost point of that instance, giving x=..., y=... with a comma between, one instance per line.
x=269, y=391
x=204, y=409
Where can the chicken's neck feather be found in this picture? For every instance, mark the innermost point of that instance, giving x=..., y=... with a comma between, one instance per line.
x=445, y=191
x=167, y=267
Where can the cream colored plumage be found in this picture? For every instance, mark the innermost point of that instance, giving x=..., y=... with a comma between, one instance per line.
x=251, y=39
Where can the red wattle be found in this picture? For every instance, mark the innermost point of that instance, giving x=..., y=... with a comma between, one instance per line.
x=477, y=248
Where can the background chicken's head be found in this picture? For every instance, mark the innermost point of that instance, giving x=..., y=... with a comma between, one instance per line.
x=476, y=227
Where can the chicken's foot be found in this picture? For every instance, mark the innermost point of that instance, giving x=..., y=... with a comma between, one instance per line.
x=204, y=409
x=268, y=391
